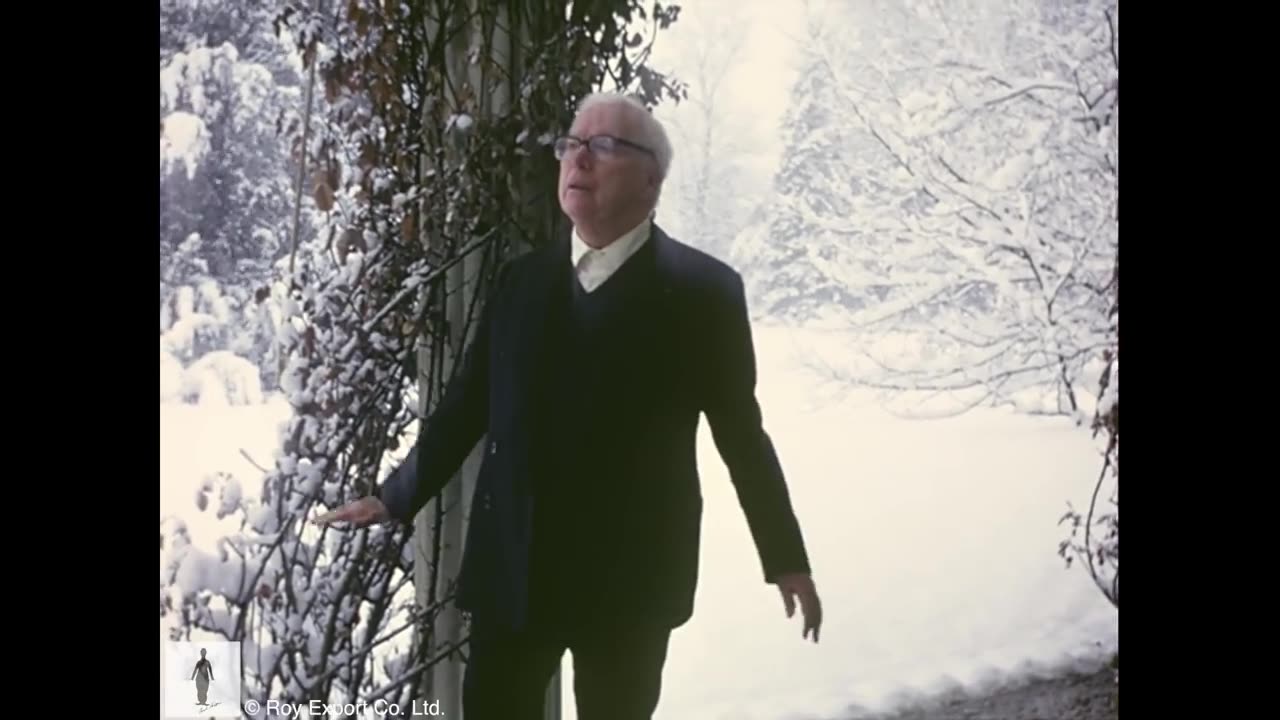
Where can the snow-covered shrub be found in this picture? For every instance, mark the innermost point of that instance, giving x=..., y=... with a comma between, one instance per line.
x=222, y=378
x=222, y=492
x=196, y=320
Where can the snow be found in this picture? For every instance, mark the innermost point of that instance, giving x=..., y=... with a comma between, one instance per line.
x=211, y=297
x=197, y=442
x=183, y=139
x=461, y=121
x=1010, y=175
x=934, y=546
x=170, y=377
x=182, y=334
x=222, y=378
x=230, y=498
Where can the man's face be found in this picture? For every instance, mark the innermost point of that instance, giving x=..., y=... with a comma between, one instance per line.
x=597, y=187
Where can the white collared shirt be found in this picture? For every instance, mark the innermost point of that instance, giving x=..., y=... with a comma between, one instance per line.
x=593, y=266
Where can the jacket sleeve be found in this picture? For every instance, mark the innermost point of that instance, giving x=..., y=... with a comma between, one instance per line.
x=736, y=423
x=449, y=433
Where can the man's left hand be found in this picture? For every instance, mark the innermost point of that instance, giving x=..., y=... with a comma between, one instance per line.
x=792, y=585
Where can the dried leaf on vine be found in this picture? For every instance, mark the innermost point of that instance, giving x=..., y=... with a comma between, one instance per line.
x=351, y=239
x=408, y=227
x=332, y=86
x=334, y=176
x=368, y=156
x=324, y=196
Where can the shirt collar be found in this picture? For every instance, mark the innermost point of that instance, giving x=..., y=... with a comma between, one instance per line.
x=621, y=247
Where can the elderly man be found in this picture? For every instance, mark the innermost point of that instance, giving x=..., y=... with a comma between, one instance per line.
x=595, y=358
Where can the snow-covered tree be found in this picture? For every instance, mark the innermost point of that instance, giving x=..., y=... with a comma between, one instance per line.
x=949, y=199
x=186, y=25
x=797, y=253
x=951, y=180
x=225, y=163
x=228, y=91
x=710, y=186
x=425, y=151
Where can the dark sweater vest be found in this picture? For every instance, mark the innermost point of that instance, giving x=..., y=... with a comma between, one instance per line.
x=574, y=481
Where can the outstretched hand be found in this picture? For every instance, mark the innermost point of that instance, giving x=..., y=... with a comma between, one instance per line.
x=359, y=513
x=793, y=585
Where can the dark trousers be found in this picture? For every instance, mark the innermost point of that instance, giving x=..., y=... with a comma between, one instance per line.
x=617, y=671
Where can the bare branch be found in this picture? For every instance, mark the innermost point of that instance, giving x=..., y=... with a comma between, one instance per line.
x=1025, y=90
x=1115, y=38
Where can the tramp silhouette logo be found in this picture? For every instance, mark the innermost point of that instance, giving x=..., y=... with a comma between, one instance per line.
x=202, y=679
x=203, y=675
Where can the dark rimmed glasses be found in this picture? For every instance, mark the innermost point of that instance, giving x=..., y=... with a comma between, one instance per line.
x=599, y=145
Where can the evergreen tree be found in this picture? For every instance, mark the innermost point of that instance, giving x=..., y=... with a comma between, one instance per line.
x=228, y=93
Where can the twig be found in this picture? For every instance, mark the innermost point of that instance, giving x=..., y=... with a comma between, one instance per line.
x=406, y=293
x=416, y=670
x=1089, y=518
x=245, y=455
x=1023, y=91
x=1115, y=53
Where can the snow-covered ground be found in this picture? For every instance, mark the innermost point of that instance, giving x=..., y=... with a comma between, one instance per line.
x=934, y=545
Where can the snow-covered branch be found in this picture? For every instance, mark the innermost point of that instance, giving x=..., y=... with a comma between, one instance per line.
x=958, y=186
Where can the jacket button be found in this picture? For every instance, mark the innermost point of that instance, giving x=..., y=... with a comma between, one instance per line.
x=493, y=448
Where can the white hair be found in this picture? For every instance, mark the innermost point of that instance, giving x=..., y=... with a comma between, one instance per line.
x=652, y=133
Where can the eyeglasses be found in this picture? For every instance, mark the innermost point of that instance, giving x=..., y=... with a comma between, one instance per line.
x=599, y=145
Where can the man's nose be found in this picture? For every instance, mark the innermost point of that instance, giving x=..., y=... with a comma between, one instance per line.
x=582, y=157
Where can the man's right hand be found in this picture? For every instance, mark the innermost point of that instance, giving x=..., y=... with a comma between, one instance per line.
x=359, y=513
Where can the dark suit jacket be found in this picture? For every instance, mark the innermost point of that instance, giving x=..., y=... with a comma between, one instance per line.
x=687, y=350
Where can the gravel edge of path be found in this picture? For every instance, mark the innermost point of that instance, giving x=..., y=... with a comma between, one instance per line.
x=1083, y=692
